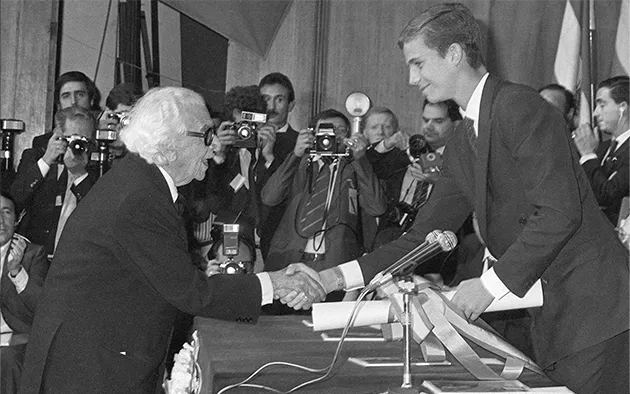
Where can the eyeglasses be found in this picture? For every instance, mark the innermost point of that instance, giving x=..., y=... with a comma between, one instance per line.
x=207, y=134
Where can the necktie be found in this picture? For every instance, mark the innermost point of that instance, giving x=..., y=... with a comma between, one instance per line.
x=611, y=150
x=316, y=205
x=245, y=159
x=469, y=126
x=421, y=194
x=69, y=203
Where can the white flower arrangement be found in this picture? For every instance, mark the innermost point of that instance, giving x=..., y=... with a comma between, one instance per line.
x=186, y=373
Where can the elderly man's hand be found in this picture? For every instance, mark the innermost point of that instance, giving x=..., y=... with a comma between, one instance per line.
x=298, y=286
x=399, y=140
x=472, y=298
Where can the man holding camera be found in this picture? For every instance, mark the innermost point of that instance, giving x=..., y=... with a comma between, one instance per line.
x=50, y=184
x=409, y=172
x=327, y=190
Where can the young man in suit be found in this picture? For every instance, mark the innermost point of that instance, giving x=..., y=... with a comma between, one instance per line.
x=49, y=189
x=122, y=269
x=513, y=164
x=23, y=266
x=606, y=164
x=277, y=90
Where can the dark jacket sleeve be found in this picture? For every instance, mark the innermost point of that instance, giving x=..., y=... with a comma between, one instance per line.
x=608, y=188
x=152, y=241
x=371, y=195
x=28, y=178
x=278, y=187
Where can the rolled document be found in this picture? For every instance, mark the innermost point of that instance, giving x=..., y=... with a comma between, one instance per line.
x=532, y=299
x=334, y=315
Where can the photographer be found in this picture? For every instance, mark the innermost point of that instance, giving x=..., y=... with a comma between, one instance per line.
x=408, y=166
x=118, y=103
x=327, y=190
x=244, y=159
x=49, y=185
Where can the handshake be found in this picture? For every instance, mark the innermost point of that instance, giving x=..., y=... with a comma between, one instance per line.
x=299, y=286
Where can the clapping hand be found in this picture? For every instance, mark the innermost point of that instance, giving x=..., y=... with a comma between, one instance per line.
x=586, y=139
x=16, y=253
x=297, y=286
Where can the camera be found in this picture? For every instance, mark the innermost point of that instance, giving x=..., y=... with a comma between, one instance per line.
x=326, y=142
x=77, y=144
x=9, y=127
x=420, y=150
x=431, y=162
x=231, y=248
x=402, y=215
x=246, y=135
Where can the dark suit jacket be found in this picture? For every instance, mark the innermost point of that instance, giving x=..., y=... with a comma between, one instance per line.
x=18, y=309
x=228, y=204
x=120, y=273
x=609, y=181
x=39, y=195
x=343, y=239
x=538, y=216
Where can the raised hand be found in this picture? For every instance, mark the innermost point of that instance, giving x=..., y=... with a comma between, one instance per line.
x=56, y=146
x=297, y=286
x=304, y=141
x=267, y=137
x=586, y=139
x=399, y=140
x=16, y=253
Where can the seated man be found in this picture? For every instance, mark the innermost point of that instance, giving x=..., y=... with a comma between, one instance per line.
x=321, y=225
x=50, y=184
x=23, y=266
x=606, y=163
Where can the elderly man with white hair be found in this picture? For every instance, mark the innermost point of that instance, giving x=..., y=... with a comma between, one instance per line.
x=122, y=269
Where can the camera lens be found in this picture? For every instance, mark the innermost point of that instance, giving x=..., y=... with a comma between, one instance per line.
x=244, y=132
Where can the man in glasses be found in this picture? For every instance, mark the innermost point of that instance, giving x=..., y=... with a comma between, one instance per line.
x=122, y=269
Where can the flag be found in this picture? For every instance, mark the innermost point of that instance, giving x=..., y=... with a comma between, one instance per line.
x=621, y=61
x=572, y=65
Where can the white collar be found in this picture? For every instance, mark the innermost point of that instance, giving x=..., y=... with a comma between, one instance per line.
x=170, y=182
x=474, y=103
x=283, y=129
x=622, y=138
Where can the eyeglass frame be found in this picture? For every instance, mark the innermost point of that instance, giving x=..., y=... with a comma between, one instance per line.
x=207, y=134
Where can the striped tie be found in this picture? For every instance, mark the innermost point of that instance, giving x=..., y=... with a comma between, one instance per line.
x=316, y=205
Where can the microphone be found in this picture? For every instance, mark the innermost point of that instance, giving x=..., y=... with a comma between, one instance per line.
x=436, y=242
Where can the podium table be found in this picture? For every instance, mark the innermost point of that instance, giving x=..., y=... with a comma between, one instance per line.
x=229, y=352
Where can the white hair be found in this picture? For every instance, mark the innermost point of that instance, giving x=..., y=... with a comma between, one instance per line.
x=158, y=123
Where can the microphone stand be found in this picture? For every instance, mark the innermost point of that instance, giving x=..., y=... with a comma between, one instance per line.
x=408, y=291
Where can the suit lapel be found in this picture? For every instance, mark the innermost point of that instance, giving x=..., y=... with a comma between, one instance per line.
x=483, y=151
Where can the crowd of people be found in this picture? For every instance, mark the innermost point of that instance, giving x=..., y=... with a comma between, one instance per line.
x=102, y=265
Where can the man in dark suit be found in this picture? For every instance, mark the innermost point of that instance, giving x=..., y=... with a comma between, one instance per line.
x=350, y=188
x=49, y=189
x=277, y=90
x=512, y=163
x=606, y=164
x=122, y=269
x=400, y=169
x=23, y=266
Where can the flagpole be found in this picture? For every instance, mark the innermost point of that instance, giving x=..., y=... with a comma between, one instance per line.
x=592, y=54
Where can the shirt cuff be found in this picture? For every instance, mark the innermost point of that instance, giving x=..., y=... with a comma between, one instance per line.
x=352, y=275
x=587, y=157
x=493, y=284
x=20, y=281
x=266, y=288
x=43, y=167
